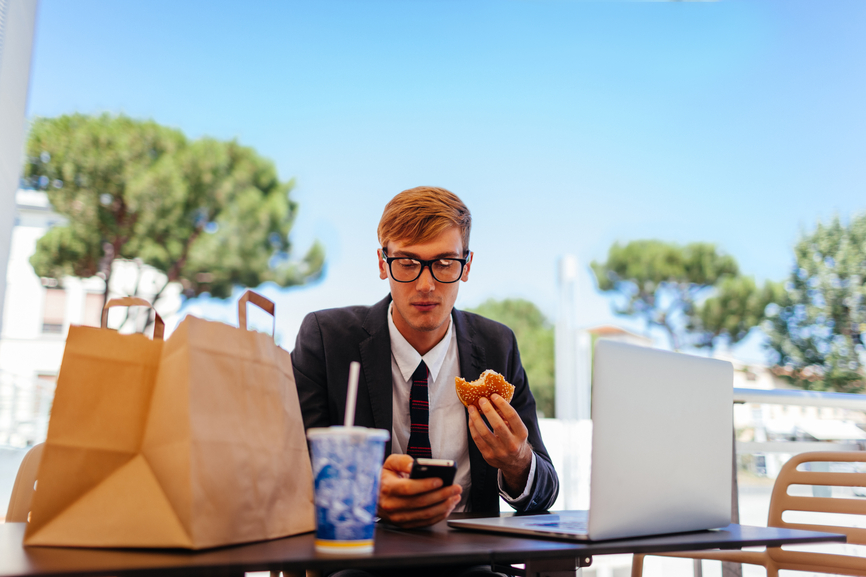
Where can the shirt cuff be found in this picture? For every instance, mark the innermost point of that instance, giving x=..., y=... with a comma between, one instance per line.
x=526, y=491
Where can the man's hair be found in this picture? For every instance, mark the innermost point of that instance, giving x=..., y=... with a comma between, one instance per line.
x=422, y=213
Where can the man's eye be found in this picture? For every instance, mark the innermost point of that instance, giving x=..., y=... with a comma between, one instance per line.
x=407, y=264
x=443, y=264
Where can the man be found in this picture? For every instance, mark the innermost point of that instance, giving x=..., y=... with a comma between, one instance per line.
x=415, y=336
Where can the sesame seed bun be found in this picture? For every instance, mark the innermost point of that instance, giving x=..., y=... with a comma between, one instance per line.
x=488, y=383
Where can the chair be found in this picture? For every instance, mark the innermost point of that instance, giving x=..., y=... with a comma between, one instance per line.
x=25, y=485
x=776, y=558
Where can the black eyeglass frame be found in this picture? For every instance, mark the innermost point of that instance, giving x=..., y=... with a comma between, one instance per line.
x=426, y=264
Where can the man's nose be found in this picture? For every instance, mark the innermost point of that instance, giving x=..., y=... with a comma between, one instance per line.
x=425, y=282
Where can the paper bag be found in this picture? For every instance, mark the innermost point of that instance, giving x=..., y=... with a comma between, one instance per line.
x=193, y=442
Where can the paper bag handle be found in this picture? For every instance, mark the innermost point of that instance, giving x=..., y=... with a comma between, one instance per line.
x=158, y=324
x=261, y=302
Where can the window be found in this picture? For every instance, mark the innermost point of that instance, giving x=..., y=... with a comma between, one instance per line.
x=54, y=311
x=92, y=310
x=48, y=380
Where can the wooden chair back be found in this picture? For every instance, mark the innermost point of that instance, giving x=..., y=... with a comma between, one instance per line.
x=22, y=490
x=782, y=502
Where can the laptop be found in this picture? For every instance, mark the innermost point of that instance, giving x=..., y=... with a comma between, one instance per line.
x=662, y=450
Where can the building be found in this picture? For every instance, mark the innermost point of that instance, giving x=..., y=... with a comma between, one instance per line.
x=38, y=312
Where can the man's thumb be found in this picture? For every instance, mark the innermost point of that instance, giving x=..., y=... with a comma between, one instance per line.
x=399, y=463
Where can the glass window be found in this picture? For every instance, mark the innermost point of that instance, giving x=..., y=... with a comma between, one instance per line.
x=92, y=310
x=54, y=311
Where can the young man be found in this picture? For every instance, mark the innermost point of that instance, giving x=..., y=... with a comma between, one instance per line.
x=413, y=343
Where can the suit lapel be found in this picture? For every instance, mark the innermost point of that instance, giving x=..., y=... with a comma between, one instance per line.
x=472, y=364
x=376, y=366
x=472, y=358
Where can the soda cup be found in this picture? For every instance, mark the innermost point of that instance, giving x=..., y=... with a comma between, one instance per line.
x=347, y=463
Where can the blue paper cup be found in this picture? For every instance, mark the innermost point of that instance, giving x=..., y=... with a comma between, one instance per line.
x=347, y=463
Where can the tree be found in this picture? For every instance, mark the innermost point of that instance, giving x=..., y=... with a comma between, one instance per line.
x=661, y=282
x=535, y=339
x=208, y=214
x=817, y=332
x=736, y=306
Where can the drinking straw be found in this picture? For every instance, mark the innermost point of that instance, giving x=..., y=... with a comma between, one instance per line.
x=352, y=393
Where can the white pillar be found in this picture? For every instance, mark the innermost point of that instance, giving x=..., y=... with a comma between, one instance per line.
x=583, y=374
x=17, y=21
x=573, y=348
x=565, y=340
x=573, y=390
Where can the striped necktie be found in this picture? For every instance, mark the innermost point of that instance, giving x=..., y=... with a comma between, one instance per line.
x=419, y=414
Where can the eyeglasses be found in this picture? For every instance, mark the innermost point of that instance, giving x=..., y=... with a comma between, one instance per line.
x=444, y=270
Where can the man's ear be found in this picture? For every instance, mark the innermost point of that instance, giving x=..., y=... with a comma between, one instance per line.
x=383, y=266
x=466, y=268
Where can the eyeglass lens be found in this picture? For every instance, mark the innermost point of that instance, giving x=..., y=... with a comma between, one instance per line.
x=444, y=270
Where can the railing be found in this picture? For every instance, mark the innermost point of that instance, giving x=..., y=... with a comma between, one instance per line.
x=25, y=404
x=850, y=401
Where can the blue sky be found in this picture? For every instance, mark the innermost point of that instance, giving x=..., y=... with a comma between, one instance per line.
x=565, y=126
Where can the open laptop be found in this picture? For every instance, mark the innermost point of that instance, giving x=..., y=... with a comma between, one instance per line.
x=662, y=446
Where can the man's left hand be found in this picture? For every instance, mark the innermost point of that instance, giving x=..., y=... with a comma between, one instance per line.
x=505, y=447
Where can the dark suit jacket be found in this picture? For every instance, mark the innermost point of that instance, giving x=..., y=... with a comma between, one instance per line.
x=330, y=339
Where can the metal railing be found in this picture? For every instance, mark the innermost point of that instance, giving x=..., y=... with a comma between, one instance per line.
x=25, y=405
x=850, y=401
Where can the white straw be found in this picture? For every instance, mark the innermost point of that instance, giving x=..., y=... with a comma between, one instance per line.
x=352, y=394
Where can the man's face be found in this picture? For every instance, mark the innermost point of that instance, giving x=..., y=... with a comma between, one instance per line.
x=422, y=307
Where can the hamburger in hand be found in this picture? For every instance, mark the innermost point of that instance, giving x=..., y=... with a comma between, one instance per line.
x=488, y=383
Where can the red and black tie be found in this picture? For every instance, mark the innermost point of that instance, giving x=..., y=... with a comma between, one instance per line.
x=419, y=414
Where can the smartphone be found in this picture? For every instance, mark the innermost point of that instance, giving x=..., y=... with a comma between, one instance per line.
x=445, y=469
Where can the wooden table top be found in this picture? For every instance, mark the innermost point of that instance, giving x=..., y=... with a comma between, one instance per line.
x=438, y=545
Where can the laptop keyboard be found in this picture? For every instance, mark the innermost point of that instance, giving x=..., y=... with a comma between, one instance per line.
x=567, y=525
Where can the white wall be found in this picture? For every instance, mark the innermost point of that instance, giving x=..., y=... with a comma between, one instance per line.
x=17, y=22
x=24, y=350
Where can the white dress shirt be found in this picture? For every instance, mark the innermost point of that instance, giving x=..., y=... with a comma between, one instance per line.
x=449, y=436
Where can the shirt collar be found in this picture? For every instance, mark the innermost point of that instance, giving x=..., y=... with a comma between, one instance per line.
x=408, y=358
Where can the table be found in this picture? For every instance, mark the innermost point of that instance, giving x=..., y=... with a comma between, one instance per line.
x=438, y=545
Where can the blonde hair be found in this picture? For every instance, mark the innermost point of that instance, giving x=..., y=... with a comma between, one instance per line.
x=422, y=213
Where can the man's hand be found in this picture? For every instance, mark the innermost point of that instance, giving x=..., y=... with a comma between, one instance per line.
x=409, y=502
x=505, y=447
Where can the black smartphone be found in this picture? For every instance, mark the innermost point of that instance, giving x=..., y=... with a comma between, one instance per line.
x=445, y=469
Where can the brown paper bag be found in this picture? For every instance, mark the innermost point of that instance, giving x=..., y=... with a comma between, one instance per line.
x=193, y=442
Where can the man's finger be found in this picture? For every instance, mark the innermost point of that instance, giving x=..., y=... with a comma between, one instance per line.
x=412, y=487
x=442, y=514
x=399, y=463
x=511, y=416
x=500, y=427
x=476, y=426
x=480, y=427
x=488, y=444
x=426, y=516
x=421, y=507
x=474, y=411
x=392, y=507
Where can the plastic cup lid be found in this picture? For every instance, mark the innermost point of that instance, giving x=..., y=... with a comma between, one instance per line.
x=339, y=431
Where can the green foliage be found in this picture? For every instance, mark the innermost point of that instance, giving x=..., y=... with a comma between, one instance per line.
x=661, y=282
x=818, y=330
x=535, y=339
x=736, y=307
x=207, y=213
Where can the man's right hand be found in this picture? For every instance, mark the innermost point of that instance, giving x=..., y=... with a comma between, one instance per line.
x=409, y=502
